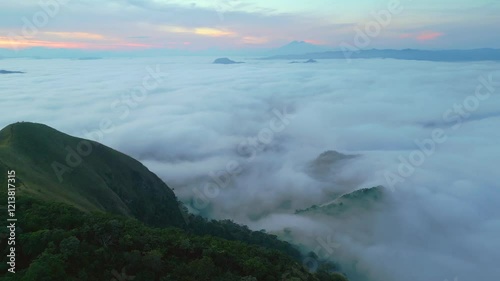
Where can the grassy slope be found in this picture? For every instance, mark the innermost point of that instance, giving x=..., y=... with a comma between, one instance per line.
x=106, y=180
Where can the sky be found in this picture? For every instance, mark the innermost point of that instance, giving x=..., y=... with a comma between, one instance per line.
x=247, y=24
x=235, y=142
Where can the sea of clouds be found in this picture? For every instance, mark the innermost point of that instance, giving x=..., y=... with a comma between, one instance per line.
x=236, y=142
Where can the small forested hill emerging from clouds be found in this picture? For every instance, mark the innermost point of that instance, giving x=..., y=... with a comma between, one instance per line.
x=366, y=199
x=10, y=72
x=91, y=217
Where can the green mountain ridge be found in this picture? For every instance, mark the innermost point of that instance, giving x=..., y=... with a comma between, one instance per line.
x=56, y=167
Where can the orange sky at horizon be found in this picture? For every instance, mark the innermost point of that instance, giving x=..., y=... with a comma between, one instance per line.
x=24, y=43
x=99, y=42
x=422, y=36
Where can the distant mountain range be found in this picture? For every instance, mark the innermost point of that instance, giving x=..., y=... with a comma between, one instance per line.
x=407, y=54
x=296, y=50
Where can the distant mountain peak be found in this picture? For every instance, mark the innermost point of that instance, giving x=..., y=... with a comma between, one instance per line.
x=303, y=44
x=298, y=42
x=300, y=48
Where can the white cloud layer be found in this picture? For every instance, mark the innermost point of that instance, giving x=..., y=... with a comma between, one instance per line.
x=441, y=222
